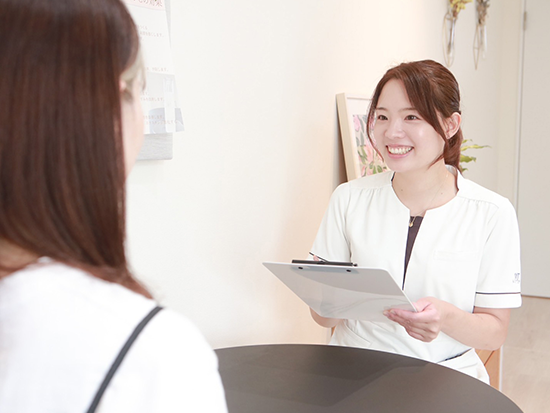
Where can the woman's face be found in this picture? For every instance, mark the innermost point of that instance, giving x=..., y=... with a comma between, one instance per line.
x=132, y=122
x=405, y=140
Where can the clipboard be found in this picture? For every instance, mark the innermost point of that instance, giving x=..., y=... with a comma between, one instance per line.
x=342, y=291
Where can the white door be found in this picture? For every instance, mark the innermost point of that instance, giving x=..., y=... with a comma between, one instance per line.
x=534, y=157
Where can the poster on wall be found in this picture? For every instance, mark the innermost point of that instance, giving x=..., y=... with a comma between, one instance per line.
x=162, y=116
x=360, y=157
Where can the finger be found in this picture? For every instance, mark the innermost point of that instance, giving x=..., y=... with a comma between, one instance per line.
x=422, y=334
x=419, y=319
x=421, y=305
x=399, y=320
x=415, y=335
x=421, y=327
x=404, y=320
x=402, y=313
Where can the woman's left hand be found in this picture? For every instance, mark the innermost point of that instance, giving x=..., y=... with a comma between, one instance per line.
x=424, y=325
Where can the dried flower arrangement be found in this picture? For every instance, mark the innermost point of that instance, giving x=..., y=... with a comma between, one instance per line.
x=449, y=23
x=480, y=38
x=482, y=6
x=456, y=6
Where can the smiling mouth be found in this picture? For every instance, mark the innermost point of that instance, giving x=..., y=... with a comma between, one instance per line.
x=401, y=150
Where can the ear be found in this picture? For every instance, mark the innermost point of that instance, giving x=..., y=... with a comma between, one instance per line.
x=122, y=85
x=452, y=124
x=125, y=92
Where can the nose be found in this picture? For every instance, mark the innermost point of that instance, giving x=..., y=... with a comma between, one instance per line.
x=394, y=129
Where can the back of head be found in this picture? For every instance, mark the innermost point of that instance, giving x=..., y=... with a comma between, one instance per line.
x=434, y=93
x=61, y=155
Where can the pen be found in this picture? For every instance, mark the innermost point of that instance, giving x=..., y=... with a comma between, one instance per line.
x=325, y=262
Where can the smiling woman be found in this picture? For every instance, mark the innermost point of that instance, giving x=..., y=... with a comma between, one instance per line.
x=399, y=128
x=428, y=93
x=452, y=245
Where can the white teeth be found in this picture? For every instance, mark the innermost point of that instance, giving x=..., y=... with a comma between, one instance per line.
x=402, y=150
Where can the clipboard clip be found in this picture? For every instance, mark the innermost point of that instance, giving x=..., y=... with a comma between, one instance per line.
x=336, y=263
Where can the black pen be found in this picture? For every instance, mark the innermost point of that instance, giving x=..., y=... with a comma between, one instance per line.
x=325, y=262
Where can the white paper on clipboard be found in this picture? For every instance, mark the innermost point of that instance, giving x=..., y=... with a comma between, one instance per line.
x=343, y=292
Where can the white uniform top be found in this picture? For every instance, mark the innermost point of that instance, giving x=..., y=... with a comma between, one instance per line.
x=60, y=331
x=466, y=253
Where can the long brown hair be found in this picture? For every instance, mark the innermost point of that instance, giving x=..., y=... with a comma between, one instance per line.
x=62, y=177
x=433, y=91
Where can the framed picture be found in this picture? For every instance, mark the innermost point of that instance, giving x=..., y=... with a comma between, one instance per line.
x=360, y=157
x=161, y=112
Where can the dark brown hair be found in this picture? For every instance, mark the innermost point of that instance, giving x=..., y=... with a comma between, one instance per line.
x=62, y=174
x=433, y=91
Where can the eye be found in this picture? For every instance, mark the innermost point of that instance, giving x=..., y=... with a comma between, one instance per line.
x=381, y=117
x=412, y=117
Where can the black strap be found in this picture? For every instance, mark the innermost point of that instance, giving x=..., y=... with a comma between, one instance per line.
x=120, y=357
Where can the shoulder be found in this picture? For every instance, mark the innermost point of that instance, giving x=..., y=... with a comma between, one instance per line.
x=477, y=194
x=175, y=333
x=381, y=180
x=494, y=209
x=172, y=363
x=366, y=184
x=52, y=286
x=171, y=347
x=49, y=299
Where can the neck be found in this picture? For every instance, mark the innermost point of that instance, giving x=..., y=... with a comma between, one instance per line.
x=423, y=190
x=421, y=180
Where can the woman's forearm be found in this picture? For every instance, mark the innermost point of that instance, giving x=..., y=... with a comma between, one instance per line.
x=485, y=328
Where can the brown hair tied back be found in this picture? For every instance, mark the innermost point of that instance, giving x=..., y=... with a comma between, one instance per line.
x=433, y=91
x=62, y=173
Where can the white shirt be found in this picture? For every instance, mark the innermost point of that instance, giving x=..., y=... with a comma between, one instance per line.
x=60, y=331
x=466, y=253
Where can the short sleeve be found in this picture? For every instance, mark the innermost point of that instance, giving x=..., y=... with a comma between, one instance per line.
x=499, y=282
x=331, y=243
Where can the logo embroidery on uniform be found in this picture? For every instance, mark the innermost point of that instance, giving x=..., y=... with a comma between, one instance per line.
x=517, y=278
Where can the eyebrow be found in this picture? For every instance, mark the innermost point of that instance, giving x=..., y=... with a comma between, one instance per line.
x=400, y=110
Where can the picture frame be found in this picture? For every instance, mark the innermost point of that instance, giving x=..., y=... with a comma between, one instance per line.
x=161, y=111
x=360, y=157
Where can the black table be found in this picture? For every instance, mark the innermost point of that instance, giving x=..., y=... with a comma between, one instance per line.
x=296, y=378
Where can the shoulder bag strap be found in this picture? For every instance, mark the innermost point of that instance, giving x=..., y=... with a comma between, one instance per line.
x=120, y=357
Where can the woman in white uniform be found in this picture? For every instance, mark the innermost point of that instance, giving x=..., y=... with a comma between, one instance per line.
x=451, y=244
x=78, y=333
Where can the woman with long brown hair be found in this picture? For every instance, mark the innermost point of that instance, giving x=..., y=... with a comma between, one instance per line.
x=70, y=129
x=451, y=245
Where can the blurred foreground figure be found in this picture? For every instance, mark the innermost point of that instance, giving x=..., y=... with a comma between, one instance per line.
x=71, y=127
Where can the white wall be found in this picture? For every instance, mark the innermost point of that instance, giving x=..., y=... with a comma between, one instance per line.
x=260, y=156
